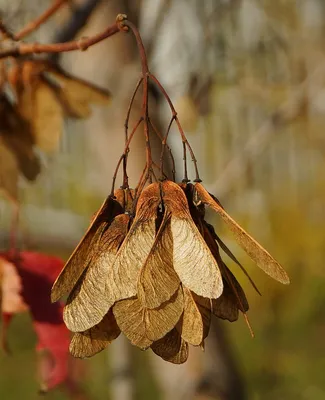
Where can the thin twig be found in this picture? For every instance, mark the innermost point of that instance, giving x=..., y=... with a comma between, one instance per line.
x=185, y=141
x=17, y=49
x=145, y=99
x=126, y=128
x=124, y=153
x=37, y=22
x=6, y=33
x=165, y=145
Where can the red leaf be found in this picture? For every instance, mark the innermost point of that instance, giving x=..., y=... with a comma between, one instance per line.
x=38, y=272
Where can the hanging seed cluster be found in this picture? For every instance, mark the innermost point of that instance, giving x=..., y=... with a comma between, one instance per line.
x=158, y=277
x=149, y=265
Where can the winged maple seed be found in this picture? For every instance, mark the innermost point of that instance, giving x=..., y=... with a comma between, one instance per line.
x=45, y=94
x=156, y=274
x=33, y=105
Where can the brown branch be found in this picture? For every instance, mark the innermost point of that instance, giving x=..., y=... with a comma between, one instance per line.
x=18, y=49
x=6, y=33
x=33, y=25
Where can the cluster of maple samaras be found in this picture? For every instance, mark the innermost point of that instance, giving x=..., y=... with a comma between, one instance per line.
x=159, y=277
x=35, y=97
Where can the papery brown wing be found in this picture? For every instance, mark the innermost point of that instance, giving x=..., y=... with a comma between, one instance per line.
x=76, y=95
x=193, y=261
x=9, y=172
x=92, y=341
x=143, y=325
x=38, y=105
x=16, y=134
x=233, y=298
x=88, y=303
x=122, y=278
x=83, y=253
x=213, y=241
x=158, y=280
x=195, y=322
x=171, y=348
x=257, y=253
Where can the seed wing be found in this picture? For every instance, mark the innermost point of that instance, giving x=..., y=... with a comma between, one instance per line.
x=158, y=280
x=142, y=325
x=88, y=303
x=171, y=348
x=193, y=261
x=257, y=253
x=233, y=298
x=83, y=253
x=96, y=339
x=195, y=322
x=121, y=282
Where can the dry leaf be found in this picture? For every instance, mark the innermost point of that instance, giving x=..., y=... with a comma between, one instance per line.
x=75, y=94
x=8, y=171
x=233, y=297
x=158, y=280
x=38, y=104
x=96, y=339
x=17, y=135
x=122, y=278
x=231, y=255
x=11, y=288
x=257, y=253
x=193, y=261
x=171, y=348
x=143, y=325
x=195, y=323
x=88, y=303
x=83, y=253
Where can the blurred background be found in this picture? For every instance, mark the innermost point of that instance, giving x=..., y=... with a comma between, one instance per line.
x=247, y=78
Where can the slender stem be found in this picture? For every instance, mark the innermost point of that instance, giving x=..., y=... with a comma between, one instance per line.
x=124, y=153
x=164, y=146
x=126, y=130
x=185, y=141
x=142, y=52
x=6, y=33
x=145, y=76
x=33, y=25
x=164, y=176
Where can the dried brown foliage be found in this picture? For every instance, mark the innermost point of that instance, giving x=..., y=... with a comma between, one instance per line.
x=36, y=99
